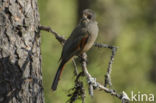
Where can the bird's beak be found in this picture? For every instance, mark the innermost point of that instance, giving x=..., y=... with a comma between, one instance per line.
x=84, y=17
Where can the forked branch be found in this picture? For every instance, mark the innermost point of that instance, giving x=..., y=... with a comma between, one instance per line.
x=91, y=81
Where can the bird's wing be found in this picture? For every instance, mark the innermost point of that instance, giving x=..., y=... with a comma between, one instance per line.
x=75, y=44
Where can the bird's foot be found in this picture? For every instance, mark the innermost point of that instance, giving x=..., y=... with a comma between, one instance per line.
x=83, y=59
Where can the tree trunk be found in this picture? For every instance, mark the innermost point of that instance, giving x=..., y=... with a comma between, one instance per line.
x=20, y=59
x=82, y=4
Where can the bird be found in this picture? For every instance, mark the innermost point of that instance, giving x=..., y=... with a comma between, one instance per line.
x=81, y=40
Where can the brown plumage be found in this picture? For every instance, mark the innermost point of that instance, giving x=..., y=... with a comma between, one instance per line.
x=81, y=40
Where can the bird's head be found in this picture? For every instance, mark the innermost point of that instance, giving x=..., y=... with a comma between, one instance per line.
x=88, y=15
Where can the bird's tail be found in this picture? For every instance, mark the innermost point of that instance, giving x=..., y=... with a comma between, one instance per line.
x=57, y=76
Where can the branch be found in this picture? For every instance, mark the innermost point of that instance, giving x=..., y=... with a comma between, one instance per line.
x=109, y=69
x=57, y=36
x=77, y=91
x=91, y=81
x=75, y=67
x=95, y=85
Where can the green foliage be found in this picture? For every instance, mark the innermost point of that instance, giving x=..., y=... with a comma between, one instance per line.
x=130, y=25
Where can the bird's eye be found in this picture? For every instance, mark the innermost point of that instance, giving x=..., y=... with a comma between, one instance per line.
x=89, y=16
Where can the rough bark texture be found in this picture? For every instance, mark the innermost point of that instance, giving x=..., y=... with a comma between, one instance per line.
x=20, y=59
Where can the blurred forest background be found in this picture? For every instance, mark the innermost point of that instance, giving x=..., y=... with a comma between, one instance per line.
x=128, y=24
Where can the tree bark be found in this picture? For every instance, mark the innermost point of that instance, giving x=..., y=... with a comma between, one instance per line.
x=20, y=59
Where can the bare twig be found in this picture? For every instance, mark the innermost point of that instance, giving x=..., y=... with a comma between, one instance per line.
x=75, y=67
x=77, y=91
x=57, y=36
x=92, y=81
x=109, y=69
x=93, y=84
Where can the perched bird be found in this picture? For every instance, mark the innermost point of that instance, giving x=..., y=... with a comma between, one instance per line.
x=81, y=40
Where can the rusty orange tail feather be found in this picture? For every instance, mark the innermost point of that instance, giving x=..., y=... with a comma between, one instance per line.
x=57, y=76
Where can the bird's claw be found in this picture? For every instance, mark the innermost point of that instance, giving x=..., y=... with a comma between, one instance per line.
x=83, y=59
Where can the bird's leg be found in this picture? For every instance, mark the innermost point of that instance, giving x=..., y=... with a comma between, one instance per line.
x=109, y=69
x=83, y=59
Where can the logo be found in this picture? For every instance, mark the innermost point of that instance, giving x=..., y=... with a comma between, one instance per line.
x=142, y=97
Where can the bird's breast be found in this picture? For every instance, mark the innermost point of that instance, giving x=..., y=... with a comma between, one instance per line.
x=93, y=32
